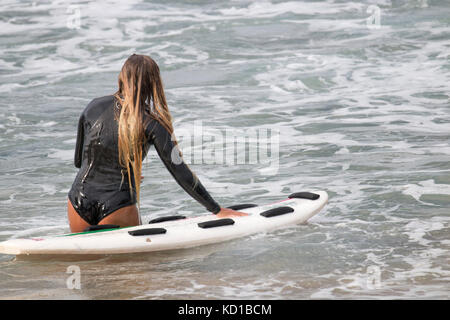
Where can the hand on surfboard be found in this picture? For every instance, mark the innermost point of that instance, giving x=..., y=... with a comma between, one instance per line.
x=226, y=213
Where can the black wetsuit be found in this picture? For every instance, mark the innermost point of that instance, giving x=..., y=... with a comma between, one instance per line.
x=101, y=185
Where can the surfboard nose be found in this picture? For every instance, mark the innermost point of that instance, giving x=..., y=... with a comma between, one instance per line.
x=8, y=247
x=323, y=195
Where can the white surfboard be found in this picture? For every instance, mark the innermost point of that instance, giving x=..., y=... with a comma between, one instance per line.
x=175, y=232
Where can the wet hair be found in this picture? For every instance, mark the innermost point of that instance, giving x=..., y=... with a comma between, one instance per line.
x=140, y=95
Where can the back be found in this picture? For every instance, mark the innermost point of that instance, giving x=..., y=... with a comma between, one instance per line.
x=101, y=185
x=99, y=154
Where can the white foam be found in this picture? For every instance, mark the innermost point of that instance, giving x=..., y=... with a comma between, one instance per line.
x=47, y=124
x=61, y=154
x=424, y=187
x=48, y=189
x=266, y=9
x=417, y=229
x=39, y=231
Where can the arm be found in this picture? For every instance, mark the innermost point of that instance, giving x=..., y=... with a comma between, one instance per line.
x=79, y=143
x=165, y=147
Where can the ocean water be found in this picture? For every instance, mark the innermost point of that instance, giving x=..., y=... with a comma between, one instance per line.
x=355, y=92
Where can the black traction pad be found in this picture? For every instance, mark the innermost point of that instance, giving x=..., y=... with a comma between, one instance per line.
x=242, y=206
x=276, y=212
x=216, y=223
x=305, y=195
x=147, y=232
x=101, y=227
x=166, y=218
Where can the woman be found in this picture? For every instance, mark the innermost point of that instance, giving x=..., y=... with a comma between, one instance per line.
x=114, y=136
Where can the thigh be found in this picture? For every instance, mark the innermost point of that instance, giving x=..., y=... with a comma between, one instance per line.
x=76, y=223
x=124, y=217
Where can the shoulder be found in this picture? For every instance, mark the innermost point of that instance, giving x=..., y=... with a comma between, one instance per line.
x=151, y=125
x=98, y=105
x=154, y=128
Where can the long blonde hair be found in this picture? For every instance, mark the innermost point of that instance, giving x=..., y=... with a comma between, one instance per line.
x=140, y=94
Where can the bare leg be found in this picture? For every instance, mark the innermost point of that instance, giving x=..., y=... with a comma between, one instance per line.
x=76, y=223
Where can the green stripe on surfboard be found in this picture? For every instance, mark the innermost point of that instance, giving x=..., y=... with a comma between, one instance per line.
x=93, y=231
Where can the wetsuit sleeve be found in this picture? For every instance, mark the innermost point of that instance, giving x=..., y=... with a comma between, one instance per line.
x=169, y=154
x=79, y=143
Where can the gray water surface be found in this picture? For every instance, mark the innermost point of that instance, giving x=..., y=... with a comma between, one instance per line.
x=361, y=110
